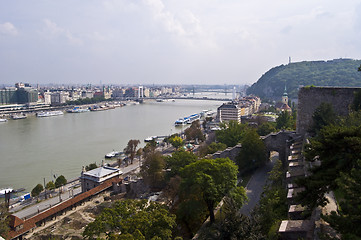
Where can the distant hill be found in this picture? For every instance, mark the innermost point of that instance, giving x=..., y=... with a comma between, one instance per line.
x=338, y=72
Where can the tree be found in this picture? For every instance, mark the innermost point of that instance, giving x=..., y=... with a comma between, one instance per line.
x=338, y=149
x=60, y=181
x=176, y=141
x=131, y=149
x=205, y=182
x=233, y=225
x=4, y=220
x=179, y=160
x=91, y=167
x=194, y=132
x=322, y=116
x=231, y=133
x=266, y=128
x=50, y=185
x=132, y=219
x=284, y=121
x=253, y=152
x=37, y=190
x=349, y=213
x=152, y=169
x=215, y=147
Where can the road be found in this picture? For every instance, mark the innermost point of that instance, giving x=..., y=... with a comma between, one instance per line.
x=69, y=191
x=255, y=186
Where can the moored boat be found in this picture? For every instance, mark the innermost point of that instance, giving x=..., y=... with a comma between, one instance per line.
x=18, y=116
x=77, y=110
x=5, y=190
x=49, y=114
x=3, y=120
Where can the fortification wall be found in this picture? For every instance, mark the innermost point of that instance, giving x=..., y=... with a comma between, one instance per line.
x=309, y=98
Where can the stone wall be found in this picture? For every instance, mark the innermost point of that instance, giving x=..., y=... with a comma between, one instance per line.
x=309, y=98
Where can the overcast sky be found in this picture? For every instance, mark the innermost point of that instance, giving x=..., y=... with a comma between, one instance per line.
x=170, y=41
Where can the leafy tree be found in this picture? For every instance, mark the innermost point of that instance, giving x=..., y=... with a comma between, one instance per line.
x=284, y=121
x=233, y=225
x=60, y=181
x=131, y=149
x=176, y=141
x=194, y=132
x=152, y=169
x=179, y=160
x=253, y=152
x=50, y=185
x=91, y=167
x=338, y=148
x=37, y=190
x=205, y=182
x=349, y=214
x=4, y=220
x=215, y=147
x=323, y=115
x=266, y=128
x=132, y=219
x=231, y=133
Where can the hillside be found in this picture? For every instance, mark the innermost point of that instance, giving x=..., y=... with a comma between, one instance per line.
x=338, y=72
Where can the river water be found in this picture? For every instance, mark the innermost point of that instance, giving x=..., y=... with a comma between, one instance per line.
x=35, y=148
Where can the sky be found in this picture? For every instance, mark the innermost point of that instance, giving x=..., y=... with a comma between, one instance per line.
x=169, y=41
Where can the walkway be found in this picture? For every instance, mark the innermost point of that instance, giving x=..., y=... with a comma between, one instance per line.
x=255, y=186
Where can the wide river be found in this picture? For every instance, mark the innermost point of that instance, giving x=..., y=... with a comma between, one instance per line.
x=35, y=148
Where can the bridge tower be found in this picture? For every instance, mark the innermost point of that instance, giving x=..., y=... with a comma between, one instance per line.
x=140, y=92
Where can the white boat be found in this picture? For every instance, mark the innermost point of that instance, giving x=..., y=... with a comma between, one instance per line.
x=3, y=120
x=180, y=122
x=112, y=154
x=148, y=139
x=49, y=114
x=18, y=116
x=5, y=190
x=77, y=110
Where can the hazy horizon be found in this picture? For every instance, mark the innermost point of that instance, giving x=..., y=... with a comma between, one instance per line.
x=169, y=42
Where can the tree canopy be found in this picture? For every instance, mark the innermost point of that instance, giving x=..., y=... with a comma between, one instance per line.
x=206, y=181
x=152, y=169
x=230, y=133
x=338, y=72
x=322, y=116
x=194, y=132
x=131, y=149
x=4, y=220
x=132, y=219
x=176, y=141
x=253, y=152
x=37, y=190
x=178, y=161
x=60, y=181
x=338, y=148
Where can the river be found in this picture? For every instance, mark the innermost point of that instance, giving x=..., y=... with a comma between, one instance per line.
x=35, y=148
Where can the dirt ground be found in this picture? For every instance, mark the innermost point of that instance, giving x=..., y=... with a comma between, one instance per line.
x=71, y=225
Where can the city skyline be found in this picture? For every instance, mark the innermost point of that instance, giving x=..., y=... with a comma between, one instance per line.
x=169, y=42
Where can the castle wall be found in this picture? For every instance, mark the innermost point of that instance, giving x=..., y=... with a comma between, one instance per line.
x=309, y=98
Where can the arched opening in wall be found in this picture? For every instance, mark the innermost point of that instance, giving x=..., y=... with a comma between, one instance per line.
x=273, y=156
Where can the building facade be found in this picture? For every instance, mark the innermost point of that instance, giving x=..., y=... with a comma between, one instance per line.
x=97, y=176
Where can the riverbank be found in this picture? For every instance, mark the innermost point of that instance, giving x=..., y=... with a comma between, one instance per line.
x=38, y=148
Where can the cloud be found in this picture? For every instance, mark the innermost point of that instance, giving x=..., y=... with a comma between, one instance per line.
x=8, y=28
x=53, y=31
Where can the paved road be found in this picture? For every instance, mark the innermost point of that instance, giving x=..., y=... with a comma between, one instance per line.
x=255, y=186
x=69, y=192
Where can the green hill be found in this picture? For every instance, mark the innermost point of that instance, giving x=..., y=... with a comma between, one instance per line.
x=338, y=72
